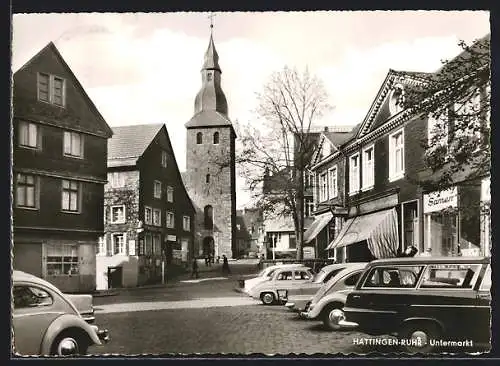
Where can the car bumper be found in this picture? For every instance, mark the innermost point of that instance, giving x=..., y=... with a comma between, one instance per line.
x=102, y=334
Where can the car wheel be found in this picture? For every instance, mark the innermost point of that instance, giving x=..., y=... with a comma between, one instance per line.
x=332, y=315
x=70, y=343
x=267, y=298
x=415, y=337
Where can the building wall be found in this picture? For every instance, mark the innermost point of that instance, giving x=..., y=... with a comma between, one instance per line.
x=220, y=193
x=47, y=225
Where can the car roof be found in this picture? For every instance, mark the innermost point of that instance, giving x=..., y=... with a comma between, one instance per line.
x=286, y=265
x=430, y=260
x=20, y=276
x=332, y=267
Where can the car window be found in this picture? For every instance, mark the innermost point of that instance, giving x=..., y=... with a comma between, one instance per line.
x=330, y=275
x=450, y=276
x=28, y=296
x=352, y=279
x=486, y=284
x=393, y=277
x=302, y=275
x=285, y=276
x=271, y=273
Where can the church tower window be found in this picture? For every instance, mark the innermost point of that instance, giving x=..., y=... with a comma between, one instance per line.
x=209, y=220
x=199, y=138
x=216, y=138
x=207, y=178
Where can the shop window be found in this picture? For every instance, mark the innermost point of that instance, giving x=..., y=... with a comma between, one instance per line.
x=62, y=259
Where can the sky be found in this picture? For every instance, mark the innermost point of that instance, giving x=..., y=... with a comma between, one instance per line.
x=145, y=67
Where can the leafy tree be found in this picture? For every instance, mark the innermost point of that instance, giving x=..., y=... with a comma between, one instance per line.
x=276, y=148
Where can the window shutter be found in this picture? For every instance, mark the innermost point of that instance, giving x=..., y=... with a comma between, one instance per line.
x=108, y=244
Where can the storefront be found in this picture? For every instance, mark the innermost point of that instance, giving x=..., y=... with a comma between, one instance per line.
x=451, y=221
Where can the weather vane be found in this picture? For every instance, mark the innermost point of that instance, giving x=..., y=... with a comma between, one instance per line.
x=211, y=17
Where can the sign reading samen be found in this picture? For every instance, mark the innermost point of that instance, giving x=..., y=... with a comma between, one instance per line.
x=437, y=201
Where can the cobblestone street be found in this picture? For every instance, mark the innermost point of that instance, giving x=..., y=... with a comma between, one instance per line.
x=208, y=317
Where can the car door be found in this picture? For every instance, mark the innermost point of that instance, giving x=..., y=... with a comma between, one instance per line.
x=483, y=307
x=34, y=311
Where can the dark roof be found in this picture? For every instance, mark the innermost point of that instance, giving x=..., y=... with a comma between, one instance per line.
x=51, y=46
x=211, y=61
x=129, y=142
x=208, y=118
x=338, y=138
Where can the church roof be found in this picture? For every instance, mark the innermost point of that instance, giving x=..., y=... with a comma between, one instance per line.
x=129, y=143
x=211, y=57
x=208, y=118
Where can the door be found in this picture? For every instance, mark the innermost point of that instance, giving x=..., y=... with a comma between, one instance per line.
x=34, y=311
x=115, y=277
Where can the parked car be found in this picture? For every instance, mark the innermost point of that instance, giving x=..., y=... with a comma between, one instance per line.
x=47, y=322
x=424, y=301
x=283, y=278
x=245, y=285
x=294, y=297
x=327, y=304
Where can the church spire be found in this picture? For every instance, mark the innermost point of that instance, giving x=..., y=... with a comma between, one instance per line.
x=211, y=97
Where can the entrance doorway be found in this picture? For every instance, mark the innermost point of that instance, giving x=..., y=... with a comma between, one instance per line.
x=208, y=246
x=115, y=276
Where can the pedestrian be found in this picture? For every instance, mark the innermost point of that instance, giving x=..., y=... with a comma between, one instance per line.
x=194, y=272
x=218, y=259
x=225, y=265
x=206, y=260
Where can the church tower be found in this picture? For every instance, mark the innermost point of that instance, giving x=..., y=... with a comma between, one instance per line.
x=210, y=163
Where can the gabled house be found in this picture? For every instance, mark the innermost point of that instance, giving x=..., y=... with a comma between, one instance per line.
x=59, y=173
x=249, y=231
x=328, y=165
x=148, y=214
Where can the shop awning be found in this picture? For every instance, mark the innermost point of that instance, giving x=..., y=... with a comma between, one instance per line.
x=319, y=223
x=379, y=229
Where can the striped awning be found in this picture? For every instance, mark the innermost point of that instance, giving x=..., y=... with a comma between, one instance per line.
x=319, y=223
x=379, y=229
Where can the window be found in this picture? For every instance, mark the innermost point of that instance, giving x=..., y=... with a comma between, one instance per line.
x=118, y=214
x=157, y=189
x=396, y=155
x=437, y=131
x=156, y=244
x=164, y=159
x=302, y=275
x=449, y=276
x=51, y=89
x=199, y=138
x=149, y=244
x=101, y=246
x=26, y=191
x=118, y=244
x=30, y=296
x=216, y=138
x=323, y=187
x=332, y=182
x=207, y=178
x=62, y=259
x=393, y=277
x=285, y=276
x=186, y=223
x=29, y=135
x=308, y=179
x=156, y=217
x=116, y=179
x=308, y=207
x=170, y=220
x=368, y=168
x=70, y=195
x=354, y=174
x=208, y=217
x=292, y=242
x=170, y=194
x=353, y=279
x=73, y=144
x=148, y=215
x=141, y=248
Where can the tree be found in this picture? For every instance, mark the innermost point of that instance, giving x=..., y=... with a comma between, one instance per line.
x=457, y=101
x=276, y=149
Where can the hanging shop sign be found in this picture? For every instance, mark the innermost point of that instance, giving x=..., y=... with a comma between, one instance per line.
x=171, y=238
x=438, y=201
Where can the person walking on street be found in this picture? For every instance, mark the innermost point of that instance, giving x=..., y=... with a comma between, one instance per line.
x=194, y=271
x=225, y=265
